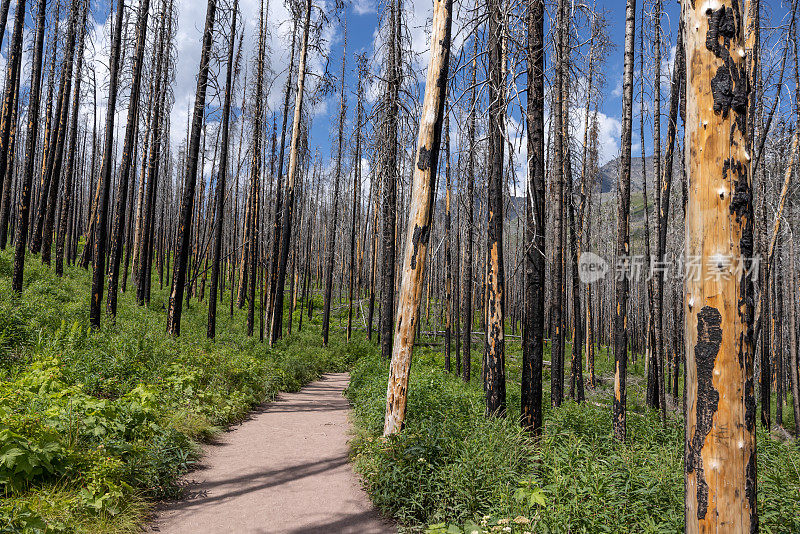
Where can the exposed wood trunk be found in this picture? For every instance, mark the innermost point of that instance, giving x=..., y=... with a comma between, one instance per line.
x=420, y=215
x=720, y=464
x=495, y=275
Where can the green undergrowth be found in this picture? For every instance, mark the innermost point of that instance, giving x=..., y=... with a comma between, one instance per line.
x=96, y=425
x=456, y=471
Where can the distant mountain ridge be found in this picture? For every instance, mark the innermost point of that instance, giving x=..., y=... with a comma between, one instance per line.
x=609, y=173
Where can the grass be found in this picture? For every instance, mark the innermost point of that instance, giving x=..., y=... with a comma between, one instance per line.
x=96, y=425
x=454, y=471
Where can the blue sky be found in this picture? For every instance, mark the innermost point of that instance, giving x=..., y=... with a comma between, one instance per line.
x=362, y=21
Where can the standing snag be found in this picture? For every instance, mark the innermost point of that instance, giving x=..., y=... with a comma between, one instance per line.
x=720, y=458
x=495, y=363
x=623, y=232
x=182, y=243
x=30, y=148
x=419, y=220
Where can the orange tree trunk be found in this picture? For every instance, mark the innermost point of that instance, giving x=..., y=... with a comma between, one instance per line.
x=720, y=450
x=421, y=208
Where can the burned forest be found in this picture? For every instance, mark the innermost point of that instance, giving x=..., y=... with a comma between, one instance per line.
x=379, y=266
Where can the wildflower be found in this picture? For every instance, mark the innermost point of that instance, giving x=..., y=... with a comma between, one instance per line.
x=521, y=520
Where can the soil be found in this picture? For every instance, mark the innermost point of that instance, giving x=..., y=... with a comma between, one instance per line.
x=284, y=470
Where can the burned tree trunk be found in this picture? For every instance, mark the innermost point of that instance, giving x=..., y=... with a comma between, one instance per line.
x=495, y=276
x=106, y=174
x=533, y=328
x=222, y=174
x=623, y=232
x=678, y=73
x=182, y=243
x=467, y=284
x=390, y=175
x=69, y=172
x=118, y=232
x=356, y=199
x=250, y=253
x=49, y=212
x=152, y=168
x=557, y=269
x=276, y=228
x=8, y=124
x=720, y=463
x=30, y=148
x=448, y=278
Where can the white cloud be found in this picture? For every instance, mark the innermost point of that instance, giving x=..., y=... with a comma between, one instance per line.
x=617, y=92
x=363, y=7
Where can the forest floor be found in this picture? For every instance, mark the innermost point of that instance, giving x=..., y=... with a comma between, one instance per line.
x=96, y=427
x=285, y=469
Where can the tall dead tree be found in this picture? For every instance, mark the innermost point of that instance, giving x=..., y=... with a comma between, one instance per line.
x=30, y=148
x=52, y=125
x=495, y=275
x=250, y=253
x=420, y=215
x=448, y=245
x=533, y=329
x=623, y=232
x=334, y=215
x=294, y=163
x=49, y=213
x=276, y=228
x=118, y=232
x=69, y=172
x=557, y=267
x=106, y=174
x=182, y=243
x=466, y=284
x=720, y=462
x=7, y=122
x=678, y=73
x=356, y=198
x=390, y=173
x=661, y=216
x=153, y=162
x=222, y=174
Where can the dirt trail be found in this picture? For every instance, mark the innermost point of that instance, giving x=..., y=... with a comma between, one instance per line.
x=284, y=470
